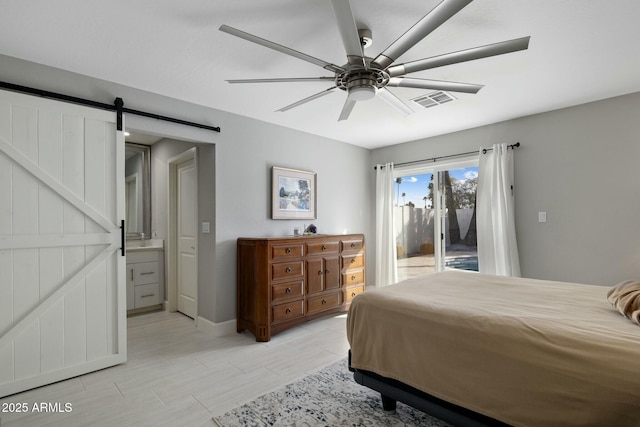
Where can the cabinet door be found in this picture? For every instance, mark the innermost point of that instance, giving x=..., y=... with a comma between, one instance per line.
x=331, y=273
x=323, y=274
x=315, y=275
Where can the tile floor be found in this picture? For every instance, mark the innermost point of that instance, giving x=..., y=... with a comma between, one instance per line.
x=177, y=375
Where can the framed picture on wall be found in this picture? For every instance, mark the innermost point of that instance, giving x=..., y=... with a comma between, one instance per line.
x=293, y=194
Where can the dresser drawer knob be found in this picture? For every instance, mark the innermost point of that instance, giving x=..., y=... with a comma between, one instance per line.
x=353, y=245
x=326, y=272
x=147, y=295
x=353, y=277
x=288, y=311
x=353, y=260
x=288, y=250
x=288, y=290
x=324, y=301
x=353, y=294
x=319, y=272
x=287, y=270
x=324, y=248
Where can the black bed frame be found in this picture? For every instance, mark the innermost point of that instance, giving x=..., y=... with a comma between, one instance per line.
x=392, y=391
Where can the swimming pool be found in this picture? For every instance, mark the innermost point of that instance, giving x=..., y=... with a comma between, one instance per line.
x=469, y=262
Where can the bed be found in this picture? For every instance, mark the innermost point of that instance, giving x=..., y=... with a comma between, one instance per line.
x=475, y=349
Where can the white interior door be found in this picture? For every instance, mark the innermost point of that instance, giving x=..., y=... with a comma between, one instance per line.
x=62, y=289
x=187, y=222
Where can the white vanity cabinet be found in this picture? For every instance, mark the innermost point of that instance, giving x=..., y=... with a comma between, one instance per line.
x=145, y=279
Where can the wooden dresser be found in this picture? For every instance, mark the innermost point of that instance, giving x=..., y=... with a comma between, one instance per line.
x=285, y=281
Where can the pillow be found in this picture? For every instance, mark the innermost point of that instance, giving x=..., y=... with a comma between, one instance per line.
x=625, y=296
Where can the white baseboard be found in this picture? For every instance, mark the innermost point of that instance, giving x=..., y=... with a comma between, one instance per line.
x=216, y=329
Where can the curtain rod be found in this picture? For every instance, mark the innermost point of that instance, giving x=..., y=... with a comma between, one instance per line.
x=435, y=159
x=119, y=108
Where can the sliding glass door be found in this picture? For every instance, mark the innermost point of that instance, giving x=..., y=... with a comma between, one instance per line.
x=435, y=218
x=458, y=189
x=415, y=225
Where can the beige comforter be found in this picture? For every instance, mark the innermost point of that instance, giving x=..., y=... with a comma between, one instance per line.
x=526, y=352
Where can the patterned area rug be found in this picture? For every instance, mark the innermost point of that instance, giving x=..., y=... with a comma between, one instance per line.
x=329, y=397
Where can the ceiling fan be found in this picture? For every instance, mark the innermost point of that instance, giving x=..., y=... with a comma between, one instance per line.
x=363, y=78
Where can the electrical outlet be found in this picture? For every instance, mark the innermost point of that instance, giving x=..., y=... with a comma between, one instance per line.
x=542, y=217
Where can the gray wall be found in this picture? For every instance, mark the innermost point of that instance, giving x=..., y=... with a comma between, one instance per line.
x=240, y=180
x=245, y=151
x=243, y=192
x=578, y=164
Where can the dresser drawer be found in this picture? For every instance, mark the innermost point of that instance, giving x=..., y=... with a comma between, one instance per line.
x=146, y=272
x=286, y=291
x=352, y=246
x=146, y=295
x=351, y=293
x=319, y=248
x=293, y=250
x=353, y=278
x=322, y=303
x=352, y=261
x=143, y=256
x=287, y=311
x=287, y=270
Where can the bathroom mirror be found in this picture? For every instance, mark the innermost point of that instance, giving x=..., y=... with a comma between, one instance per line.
x=137, y=190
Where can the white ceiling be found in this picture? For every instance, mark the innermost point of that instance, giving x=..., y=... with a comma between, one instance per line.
x=580, y=51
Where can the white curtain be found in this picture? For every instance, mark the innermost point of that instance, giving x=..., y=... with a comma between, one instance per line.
x=386, y=262
x=497, y=246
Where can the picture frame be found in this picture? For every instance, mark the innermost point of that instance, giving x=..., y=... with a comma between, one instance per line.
x=293, y=194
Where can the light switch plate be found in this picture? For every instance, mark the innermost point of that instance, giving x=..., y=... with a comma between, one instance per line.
x=206, y=227
x=542, y=217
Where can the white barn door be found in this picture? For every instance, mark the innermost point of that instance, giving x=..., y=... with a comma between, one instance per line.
x=62, y=281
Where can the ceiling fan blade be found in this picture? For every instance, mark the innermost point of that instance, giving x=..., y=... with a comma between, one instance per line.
x=394, y=101
x=346, y=109
x=280, y=48
x=433, y=84
x=348, y=31
x=307, y=99
x=438, y=15
x=284, y=80
x=479, y=52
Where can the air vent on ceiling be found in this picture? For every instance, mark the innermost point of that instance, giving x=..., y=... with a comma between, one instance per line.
x=434, y=98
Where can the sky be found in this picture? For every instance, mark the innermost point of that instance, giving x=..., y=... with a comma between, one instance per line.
x=416, y=187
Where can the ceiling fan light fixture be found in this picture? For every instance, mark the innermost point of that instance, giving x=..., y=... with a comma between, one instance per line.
x=362, y=93
x=364, y=77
